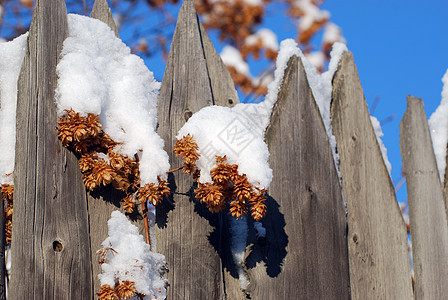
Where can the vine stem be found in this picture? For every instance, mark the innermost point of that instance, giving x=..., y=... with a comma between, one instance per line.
x=174, y=170
x=145, y=220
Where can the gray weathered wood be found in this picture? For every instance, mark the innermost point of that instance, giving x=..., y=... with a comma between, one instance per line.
x=103, y=202
x=305, y=255
x=101, y=11
x=429, y=229
x=187, y=234
x=377, y=241
x=50, y=240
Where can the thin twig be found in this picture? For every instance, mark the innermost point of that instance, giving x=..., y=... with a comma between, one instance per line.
x=174, y=170
x=145, y=219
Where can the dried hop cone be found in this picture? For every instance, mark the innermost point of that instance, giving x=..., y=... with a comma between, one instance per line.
x=187, y=148
x=212, y=195
x=78, y=131
x=125, y=290
x=107, y=293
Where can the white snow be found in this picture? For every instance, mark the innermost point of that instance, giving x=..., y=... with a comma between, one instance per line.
x=332, y=34
x=99, y=75
x=225, y=131
x=267, y=36
x=239, y=232
x=12, y=54
x=232, y=57
x=438, y=124
x=238, y=132
x=131, y=259
x=379, y=134
x=317, y=59
x=312, y=13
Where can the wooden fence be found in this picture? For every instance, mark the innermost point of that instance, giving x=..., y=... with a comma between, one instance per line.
x=315, y=248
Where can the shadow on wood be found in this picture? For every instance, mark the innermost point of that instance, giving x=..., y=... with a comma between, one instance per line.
x=194, y=77
x=306, y=193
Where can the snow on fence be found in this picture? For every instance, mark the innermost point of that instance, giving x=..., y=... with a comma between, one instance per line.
x=313, y=247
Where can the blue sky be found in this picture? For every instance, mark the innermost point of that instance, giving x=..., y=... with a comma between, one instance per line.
x=400, y=48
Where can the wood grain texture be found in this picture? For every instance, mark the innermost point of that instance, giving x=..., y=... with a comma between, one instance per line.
x=304, y=255
x=187, y=234
x=377, y=241
x=101, y=11
x=103, y=202
x=50, y=241
x=427, y=216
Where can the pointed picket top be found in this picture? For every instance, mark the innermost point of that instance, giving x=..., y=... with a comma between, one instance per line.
x=427, y=214
x=101, y=11
x=50, y=241
x=377, y=239
x=305, y=223
x=187, y=234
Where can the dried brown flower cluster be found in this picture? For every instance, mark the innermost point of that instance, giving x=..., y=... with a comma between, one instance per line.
x=101, y=165
x=121, y=290
x=228, y=188
x=246, y=84
x=234, y=19
x=7, y=192
x=187, y=148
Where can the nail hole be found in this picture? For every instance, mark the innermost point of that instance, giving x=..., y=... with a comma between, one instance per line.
x=355, y=238
x=57, y=246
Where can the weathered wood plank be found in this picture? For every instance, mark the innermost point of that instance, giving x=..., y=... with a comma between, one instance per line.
x=50, y=242
x=304, y=255
x=429, y=229
x=101, y=11
x=187, y=234
x=103, y=202
x=377, y=241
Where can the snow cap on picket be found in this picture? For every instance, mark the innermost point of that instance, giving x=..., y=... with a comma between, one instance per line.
x=128, y=258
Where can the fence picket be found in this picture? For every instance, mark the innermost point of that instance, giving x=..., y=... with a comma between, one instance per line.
x=305, y=252
x=50, y=244
x=377, y=241
x=187, y=233
x=102, y=12
x=429, y=229
x=104, y=201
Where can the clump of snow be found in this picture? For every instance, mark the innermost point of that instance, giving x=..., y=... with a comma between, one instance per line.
x=267, y=37
x=239, y=232
x=311, y=14
x=232, y=57
x=99, y=75
x=379, y=133
x=438, y=124
x=128, y=258
x=12, y=54
x=332, y=34
x=317, y=59
x=226, y=132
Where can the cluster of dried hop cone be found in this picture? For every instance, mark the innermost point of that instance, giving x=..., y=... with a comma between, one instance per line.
x=7, y=192
x=121, y=290
x=101, y=165
x=228, y=188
